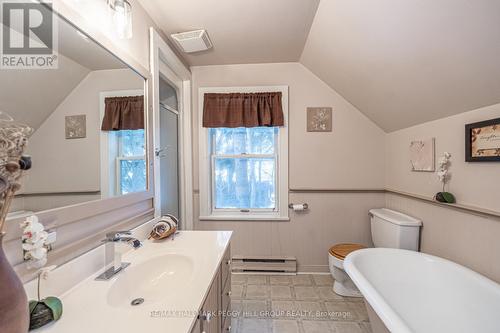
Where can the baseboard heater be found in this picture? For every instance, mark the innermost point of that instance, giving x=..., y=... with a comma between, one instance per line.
x=264, y=264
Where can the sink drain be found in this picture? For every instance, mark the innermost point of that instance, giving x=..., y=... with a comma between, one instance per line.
x=137, y=301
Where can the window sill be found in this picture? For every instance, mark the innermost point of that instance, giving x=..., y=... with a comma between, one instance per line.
x=244, y=218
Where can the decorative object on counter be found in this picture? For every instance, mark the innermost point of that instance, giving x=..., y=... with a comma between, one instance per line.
x=422, y=155
x=47, y=310
x=444, y=177
x=319, y=119
x=482, y=141
x=13, y=303
x=166, y=227
x=33, y=240
x=75, y=126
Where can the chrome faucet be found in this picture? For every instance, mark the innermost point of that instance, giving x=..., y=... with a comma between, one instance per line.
x=113, y=257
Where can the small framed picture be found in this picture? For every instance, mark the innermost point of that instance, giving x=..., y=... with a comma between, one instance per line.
x=76, y=127
x=482, y=141
x=319, y=119
x=422, y=155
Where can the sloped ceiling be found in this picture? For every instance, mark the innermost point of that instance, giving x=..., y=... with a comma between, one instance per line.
x=30, y=96
x=242, y=31
x=400, y=62
x=405, y=62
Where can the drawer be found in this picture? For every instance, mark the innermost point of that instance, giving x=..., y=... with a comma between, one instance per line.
x=226, y=266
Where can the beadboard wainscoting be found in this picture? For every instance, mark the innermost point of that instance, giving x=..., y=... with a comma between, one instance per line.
x=332, y=217
x=470, y=239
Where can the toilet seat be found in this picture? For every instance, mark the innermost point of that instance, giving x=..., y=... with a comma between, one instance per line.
x=343, y=284
x=340, y=251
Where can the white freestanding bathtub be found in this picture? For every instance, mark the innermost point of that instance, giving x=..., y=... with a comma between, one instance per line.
x=408, y=291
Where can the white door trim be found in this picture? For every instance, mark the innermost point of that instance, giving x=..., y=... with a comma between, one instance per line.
x=165, y=62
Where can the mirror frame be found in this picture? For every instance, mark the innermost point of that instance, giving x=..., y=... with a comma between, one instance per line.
x=100, y=215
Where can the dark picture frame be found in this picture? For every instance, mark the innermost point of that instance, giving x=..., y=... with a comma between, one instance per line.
x=488, y=130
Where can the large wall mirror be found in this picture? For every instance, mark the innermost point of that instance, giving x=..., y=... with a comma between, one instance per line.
x=88, y=116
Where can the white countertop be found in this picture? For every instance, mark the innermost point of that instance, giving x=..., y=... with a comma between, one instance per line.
x=86, y=307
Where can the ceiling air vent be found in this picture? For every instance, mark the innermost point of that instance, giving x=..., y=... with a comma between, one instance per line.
x=193, y=41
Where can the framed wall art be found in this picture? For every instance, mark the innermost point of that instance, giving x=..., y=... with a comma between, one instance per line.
x=76, y=127
x=482, y=141
x=422, y=155
x=319, y=119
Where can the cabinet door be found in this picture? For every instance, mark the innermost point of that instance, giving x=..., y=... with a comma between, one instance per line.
x=210, y=315
x=225, y=296
x=226, y=266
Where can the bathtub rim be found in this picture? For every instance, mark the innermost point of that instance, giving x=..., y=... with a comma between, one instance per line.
x=384, y=311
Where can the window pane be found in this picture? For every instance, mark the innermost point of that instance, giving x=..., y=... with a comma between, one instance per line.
x=245, y=183
x=132, y=143
x=234, y=141
x=132, y=176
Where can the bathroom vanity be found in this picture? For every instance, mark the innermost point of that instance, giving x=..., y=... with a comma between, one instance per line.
x=215, y=313
x=179, y=285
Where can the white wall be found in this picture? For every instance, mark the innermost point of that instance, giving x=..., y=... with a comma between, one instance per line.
x=350, y=157
x=27, y=96
x=473, y=184
x=467, y=238
x=97, y=15
x=358, y=155
x=332, y=160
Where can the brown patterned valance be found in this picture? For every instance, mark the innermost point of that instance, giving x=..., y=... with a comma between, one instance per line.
x=123, y=113
x=243, y=110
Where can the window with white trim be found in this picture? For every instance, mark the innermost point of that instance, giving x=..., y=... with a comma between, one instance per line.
x=127, y=148
x=244, y=171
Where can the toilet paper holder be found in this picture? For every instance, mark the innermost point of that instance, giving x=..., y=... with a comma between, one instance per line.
x=304, y=205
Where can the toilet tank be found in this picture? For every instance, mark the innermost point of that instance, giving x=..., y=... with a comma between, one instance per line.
x=394, y=229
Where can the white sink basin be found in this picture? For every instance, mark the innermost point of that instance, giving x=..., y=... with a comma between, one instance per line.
x=153, y=280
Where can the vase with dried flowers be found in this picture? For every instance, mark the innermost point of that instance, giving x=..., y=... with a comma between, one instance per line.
x=444, y=177
x=14, y=316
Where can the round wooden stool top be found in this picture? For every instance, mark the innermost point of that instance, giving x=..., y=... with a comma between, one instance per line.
x=341, y=251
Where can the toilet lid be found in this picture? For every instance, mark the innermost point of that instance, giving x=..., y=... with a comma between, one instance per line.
x=341, y=251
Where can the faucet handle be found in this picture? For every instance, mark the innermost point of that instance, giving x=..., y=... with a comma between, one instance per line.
x=115, y=235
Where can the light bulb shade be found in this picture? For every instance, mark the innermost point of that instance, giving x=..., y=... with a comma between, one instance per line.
x=121, y=13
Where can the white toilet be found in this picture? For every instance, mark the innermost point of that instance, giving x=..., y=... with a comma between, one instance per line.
x=389, y=229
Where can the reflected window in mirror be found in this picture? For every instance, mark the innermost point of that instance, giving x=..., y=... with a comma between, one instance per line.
x=123, y=142
x=130, y=175
x=65, y=107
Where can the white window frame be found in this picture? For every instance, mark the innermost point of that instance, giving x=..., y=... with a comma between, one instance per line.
x=118, y=173
x=207, y=209
x=107, y=188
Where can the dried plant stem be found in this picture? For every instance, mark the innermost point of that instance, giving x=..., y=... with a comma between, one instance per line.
x=38, y=286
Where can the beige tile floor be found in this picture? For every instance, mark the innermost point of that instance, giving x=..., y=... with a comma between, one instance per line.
x=294, y=304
